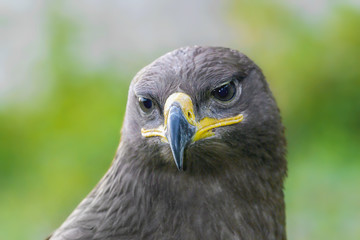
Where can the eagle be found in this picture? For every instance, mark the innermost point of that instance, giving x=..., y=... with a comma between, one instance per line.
x=202, y=156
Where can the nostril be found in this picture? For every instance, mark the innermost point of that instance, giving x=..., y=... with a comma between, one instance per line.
x=189, y=114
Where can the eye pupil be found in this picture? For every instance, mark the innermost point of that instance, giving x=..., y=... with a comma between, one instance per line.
x=225, y=92
x=145, y=103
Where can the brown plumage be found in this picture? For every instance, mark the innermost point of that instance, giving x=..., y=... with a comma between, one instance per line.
x=210, y=110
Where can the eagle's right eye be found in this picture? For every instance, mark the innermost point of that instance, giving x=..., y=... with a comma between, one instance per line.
x=145, y=104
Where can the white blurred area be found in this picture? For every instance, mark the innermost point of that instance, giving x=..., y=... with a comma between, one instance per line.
x=127, y=34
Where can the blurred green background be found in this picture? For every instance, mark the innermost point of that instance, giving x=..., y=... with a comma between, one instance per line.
x=65, y=67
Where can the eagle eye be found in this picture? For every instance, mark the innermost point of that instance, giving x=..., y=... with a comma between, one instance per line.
x=225, y=92
x=145, y=104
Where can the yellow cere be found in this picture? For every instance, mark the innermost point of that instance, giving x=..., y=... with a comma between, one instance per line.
x=203, y=127
x=186, y=106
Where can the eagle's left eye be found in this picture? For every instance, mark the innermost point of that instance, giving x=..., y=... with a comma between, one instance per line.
x=225, y=92
x=145, y=104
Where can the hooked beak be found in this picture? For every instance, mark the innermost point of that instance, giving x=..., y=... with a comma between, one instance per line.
x=179, y=133
x=181, y=128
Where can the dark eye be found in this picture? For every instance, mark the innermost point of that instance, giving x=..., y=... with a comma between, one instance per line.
x=225, y=92
x=145, y=104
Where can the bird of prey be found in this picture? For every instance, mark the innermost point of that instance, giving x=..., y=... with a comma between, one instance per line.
x=201, y=156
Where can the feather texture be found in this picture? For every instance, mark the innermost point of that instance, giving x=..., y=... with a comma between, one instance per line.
x=233, y=184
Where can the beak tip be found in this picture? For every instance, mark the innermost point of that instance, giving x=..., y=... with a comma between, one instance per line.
x=180, y=167
x=178, y=161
